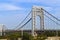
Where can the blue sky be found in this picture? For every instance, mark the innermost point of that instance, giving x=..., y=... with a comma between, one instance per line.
x=12, y=12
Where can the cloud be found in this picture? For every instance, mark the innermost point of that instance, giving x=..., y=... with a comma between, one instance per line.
x=51, y=2
x=45, y=1
x=12, y=20
x=48, y=2
x=9, y=7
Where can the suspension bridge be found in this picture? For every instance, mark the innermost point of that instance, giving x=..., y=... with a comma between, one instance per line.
x=46, y=21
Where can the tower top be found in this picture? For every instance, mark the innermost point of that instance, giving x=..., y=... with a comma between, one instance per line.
x=37, y=6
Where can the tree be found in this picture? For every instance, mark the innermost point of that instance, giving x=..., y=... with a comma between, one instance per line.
x=25, y=36
x=13, y=36
x=41, y=36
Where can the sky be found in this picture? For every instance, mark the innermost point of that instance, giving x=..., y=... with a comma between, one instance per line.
x=12, y=12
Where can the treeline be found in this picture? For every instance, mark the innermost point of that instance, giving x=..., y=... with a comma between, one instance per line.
x=27, y=36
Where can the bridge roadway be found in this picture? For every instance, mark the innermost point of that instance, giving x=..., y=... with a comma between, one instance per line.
x=29, y=31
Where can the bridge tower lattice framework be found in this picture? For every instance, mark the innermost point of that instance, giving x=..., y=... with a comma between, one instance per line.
x=37, y=11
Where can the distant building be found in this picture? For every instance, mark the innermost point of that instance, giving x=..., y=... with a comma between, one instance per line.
x=2, y=29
